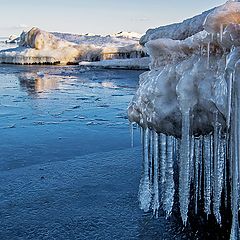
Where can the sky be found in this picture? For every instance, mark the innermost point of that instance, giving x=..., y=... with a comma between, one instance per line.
x=96, y=16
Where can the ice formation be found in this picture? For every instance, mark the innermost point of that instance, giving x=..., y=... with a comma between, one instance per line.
x=132, y=63
x=40, y=47
x=190, y=99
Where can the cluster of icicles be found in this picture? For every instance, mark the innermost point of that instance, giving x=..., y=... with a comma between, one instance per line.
x=205, y=168
x=208, y=163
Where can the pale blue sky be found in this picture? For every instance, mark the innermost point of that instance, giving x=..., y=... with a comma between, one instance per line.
x=96, y=16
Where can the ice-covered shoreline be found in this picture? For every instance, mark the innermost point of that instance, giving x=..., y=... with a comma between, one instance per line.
x=40, y=47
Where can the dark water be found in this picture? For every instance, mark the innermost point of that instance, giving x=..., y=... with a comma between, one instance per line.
x=66, y=167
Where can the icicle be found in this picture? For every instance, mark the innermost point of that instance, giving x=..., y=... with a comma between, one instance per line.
x=141, y=134
x=207, y=174
x=196, y=172
x=212, y=163
x=225, y=172
x=169, y=186
x=221, y=32
x=208, y=55
x=131, y=126
x=192, y=159
x=212, y=36
x=155, y=204
x=235, y=164
x=184, y=178
x=162, y=164
x=229, y=109
x=176, y=150
x=200, y=167
x=144, y=188
x=218, y=169
x=150, y=156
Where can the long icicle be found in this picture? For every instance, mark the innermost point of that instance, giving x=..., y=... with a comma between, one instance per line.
x=207, y=174
x=184, y=178
x=145, y=195
x=192, y=159
x=200, y=167
x=150, y=156
x=162, y=164
x=155, y=204
x=196, y=172
x=217, y=190
x=169, y=190
x=235, y=163
x=131, y=126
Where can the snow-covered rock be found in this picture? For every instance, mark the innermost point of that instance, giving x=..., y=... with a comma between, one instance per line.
x=40, y=47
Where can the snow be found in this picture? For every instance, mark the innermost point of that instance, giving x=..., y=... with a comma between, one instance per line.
x=40, y=47
x=118, y=39
x=192, y=94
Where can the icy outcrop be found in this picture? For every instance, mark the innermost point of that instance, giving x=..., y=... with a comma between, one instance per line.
x=192, y=94
x=40, y=47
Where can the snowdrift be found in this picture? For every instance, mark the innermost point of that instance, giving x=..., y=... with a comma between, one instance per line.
x=41, y=47
x=188, y=108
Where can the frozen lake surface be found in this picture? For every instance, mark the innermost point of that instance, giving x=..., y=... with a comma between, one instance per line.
x=67, y=170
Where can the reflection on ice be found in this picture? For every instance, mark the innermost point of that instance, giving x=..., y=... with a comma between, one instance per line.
x=35, y=84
